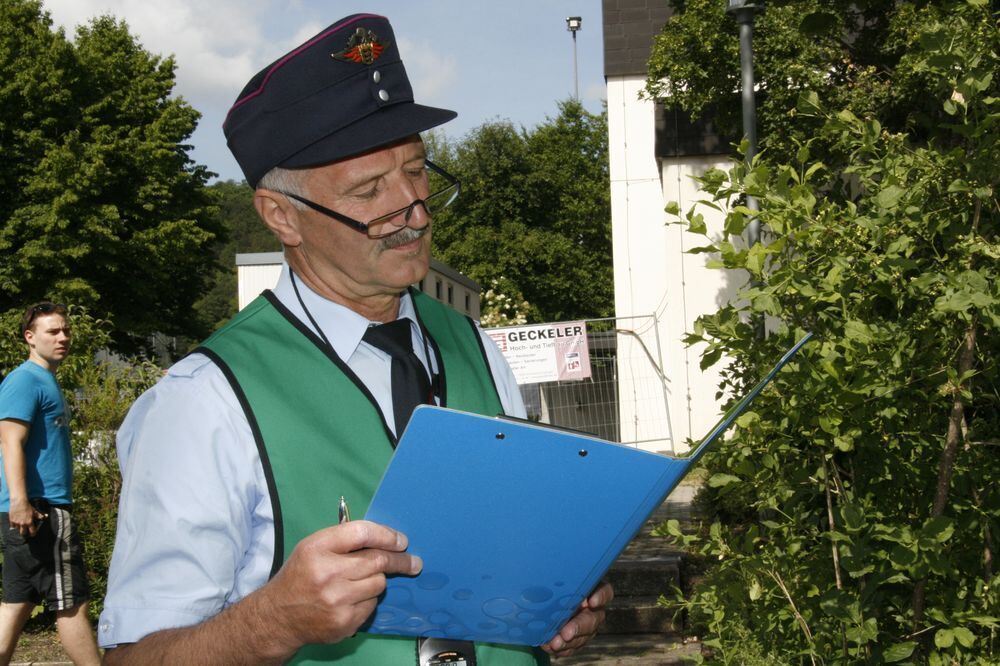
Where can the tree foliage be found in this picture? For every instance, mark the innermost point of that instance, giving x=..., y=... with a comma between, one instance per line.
x=857, y=507
x=102, y=205
x=534, y=213
x=243, y=232
x=854, y=55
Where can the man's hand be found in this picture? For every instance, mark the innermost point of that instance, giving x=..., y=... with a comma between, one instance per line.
x=13, y=436
x=331, y=583
x=322, y=594
x=24, y=517
x=583, y=626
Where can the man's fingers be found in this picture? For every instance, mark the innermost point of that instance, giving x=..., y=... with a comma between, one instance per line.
x=357, y=535
x=601, y=596
x=372, y=562
x=577, y=631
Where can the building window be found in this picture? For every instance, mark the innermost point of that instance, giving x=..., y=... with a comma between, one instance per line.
x=451, y=295
x=467, y=301
x=437, y=289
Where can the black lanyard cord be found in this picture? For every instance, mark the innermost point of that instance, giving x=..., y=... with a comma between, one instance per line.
x=423, y=338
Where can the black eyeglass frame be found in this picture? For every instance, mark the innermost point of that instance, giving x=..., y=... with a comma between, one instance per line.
x=454, y=186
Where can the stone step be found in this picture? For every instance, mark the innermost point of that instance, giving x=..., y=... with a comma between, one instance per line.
x=633, y=650
x=646, y=576
x=641, y=615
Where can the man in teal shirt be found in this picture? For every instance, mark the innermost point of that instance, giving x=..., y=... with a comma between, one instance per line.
x=42, y=555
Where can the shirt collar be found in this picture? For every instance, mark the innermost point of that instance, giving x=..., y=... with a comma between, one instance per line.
x=342, y=326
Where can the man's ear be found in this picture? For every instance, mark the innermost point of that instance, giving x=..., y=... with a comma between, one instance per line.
x=280, y=216
x=29, y=337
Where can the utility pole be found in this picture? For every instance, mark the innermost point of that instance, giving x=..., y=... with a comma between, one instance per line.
x=573, y=24
x=744, y=11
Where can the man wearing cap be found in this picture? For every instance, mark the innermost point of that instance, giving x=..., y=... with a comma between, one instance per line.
x=232, y=465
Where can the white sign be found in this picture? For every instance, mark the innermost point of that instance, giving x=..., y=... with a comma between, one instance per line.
x=546, y=352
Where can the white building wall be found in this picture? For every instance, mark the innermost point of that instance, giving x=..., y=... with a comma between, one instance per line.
x=654, y=276
x=253, y=279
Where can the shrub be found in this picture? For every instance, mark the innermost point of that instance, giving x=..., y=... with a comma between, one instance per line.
x=861, y=496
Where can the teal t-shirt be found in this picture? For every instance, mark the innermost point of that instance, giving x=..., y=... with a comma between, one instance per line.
x=31, y=394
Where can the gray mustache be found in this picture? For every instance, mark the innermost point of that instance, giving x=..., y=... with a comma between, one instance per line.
x=402, y=237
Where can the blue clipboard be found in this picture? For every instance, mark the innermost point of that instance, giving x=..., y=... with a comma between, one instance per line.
x=516, y=522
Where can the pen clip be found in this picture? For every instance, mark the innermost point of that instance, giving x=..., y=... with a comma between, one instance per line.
x=343, y=513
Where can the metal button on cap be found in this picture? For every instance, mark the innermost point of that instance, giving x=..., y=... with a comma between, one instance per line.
x=376, y=76
x=383, y=95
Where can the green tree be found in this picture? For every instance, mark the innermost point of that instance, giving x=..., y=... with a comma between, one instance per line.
x=244, y=232
x=857, y=506
x=853, y=55
x=102, y=207
x=534, y=213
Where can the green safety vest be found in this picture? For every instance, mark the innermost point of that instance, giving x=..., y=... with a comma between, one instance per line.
x=321, y=435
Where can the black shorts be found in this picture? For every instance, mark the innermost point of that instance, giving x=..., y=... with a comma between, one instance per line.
x=47, y=567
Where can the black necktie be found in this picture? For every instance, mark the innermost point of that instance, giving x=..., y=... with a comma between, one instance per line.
x=410, y=386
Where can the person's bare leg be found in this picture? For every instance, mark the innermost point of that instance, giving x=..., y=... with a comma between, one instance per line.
x=77, y=636
x=12, y=619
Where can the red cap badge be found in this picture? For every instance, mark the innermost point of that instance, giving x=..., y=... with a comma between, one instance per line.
x=363, y=48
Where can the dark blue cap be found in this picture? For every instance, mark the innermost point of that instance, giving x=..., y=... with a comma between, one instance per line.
x=341, y=93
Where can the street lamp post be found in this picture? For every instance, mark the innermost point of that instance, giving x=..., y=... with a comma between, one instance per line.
x=744, y=11
x=574, y=23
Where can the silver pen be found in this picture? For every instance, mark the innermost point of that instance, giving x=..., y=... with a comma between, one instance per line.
x=343, y=513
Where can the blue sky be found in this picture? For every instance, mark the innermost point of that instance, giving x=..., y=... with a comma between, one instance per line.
x=486, y=60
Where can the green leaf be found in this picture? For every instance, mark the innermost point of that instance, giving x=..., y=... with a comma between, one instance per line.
x=829, y=423
x=696, y=224
x=965, y=637
x=755, y=259
x=889, y=197
x=808, y=102
x=843, y=443
x=857, y=330
x=902, y=557
x=851, y=517
x=755, y=591
x=958, y=301
x=720, y=479
x=899, y=652
x=939, y=529
x=944, y=638
x=672, y=208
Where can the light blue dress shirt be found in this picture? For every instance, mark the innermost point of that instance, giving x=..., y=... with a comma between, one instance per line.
x=195, y=524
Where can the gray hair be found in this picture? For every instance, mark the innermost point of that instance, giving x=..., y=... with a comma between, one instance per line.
x=285, y=180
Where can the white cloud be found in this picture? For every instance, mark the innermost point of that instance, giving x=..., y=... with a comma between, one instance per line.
x=217, y=45
x=431, y=73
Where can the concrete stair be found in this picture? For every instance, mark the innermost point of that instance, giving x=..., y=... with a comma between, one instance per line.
x=637, y=631
x=638, y=584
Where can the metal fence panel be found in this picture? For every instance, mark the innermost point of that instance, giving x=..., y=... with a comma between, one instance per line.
x=624, y=399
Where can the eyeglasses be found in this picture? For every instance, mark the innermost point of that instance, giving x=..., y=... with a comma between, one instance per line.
x=443, y=188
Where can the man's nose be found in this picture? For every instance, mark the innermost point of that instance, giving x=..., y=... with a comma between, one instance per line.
x=417, y=216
